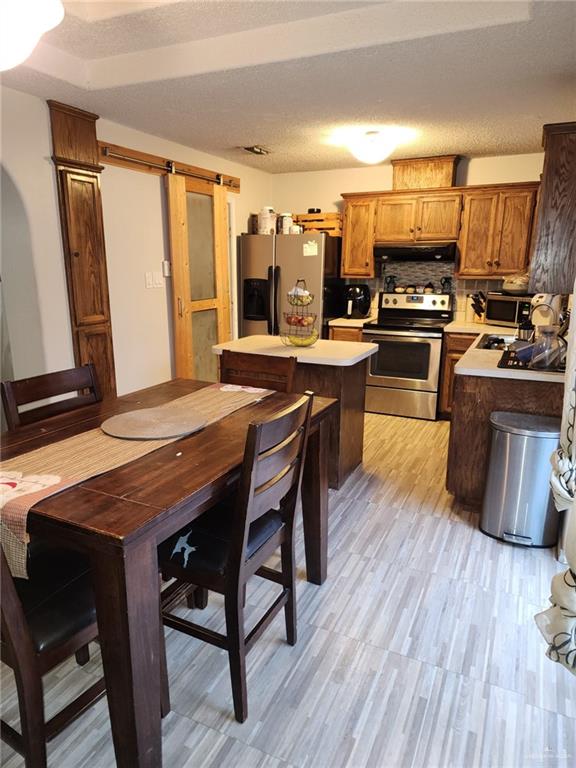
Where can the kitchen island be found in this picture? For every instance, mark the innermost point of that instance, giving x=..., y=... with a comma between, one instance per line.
x=480, y=388
x=332, y=369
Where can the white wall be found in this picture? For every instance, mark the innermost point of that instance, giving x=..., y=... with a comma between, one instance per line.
x=34, y=283
x=297, y=192
x=33, y=276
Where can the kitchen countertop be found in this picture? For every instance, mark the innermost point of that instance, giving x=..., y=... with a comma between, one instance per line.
x=484, y=362
x=352, y=322
x=323, y=352
x=461, y=326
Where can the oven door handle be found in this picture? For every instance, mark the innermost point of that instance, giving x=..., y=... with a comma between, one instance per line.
x=424, y=335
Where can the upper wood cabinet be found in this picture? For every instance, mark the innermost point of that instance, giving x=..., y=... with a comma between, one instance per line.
x=438, y=217
x=418, y=218
x=496, y=230
x=395, y=219
x=492, y=224
x=358, y=238
x=554, y=258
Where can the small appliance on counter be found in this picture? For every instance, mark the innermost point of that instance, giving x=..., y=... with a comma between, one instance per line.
x=358, y=301
x=502, y=309
x=546, y=308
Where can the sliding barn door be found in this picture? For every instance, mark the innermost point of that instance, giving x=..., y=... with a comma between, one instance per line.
x=198, y=226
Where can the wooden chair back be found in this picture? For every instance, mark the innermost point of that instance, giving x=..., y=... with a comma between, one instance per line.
x=272, y=471
x=265, y=371
x=82, y=380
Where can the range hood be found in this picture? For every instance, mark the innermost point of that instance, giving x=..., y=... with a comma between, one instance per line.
x=443, y=252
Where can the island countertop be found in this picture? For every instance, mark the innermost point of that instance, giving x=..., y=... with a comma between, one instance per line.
x=484, y=362
x=323, y=352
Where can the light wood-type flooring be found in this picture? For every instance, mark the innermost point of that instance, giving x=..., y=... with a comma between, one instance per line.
x=419, y=651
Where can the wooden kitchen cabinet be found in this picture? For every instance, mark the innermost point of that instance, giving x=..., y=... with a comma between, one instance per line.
x=341, y=333
x=496, y=231
x=418, y=218
x=438, y=217
x=358, y=238
x=455, y=345
x=395, y=219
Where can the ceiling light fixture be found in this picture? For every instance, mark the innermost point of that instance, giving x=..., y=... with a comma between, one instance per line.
x=22, y=24
x=257, y=150
x=372, y=145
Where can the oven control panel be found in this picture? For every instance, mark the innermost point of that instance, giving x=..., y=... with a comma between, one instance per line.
x=416, y=301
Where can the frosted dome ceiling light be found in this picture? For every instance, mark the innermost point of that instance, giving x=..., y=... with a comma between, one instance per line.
x=22, y=24
x=374, y=144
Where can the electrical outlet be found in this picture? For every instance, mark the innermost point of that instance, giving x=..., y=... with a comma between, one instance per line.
x=149, y=280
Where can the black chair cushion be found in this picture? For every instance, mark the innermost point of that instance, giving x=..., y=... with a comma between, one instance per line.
x=57, y=598
x=204, y=544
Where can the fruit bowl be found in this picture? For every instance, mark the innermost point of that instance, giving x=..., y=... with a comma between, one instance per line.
x=299, y=319
x=300, y=300
x=295, y=336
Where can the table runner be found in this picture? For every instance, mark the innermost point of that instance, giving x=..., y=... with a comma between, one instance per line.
x=28, y=478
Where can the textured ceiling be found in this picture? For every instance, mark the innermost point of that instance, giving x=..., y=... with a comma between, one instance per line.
x=485, y=91
x=181, y=22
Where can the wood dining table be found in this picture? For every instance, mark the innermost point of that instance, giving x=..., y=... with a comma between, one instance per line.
x=118, y=518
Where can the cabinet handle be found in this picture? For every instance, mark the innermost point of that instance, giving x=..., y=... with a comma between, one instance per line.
x=496, y=263
x=411, y=229
x=76, y=254
x=419, y=229
x=366, y=263
x=488, y=263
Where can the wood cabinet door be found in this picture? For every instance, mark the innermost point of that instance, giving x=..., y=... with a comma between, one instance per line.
x=514, y=226
x=455, y=345
x=358, y=239
x=345, y=334
x=447, y=390
x=476, y=242
x=87, y=277
x=438, y=217
x=395, y=219
x=86, y=256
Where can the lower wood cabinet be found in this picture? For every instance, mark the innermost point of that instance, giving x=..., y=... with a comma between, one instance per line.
x=455, y=345
x=342, y=333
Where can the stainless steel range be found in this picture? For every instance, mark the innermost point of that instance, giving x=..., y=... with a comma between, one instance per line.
x=403, y=376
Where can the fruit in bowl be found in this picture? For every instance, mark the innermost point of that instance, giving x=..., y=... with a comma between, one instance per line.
x=304, y=341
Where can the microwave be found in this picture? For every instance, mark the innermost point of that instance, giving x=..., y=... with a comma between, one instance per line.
x=502, y=309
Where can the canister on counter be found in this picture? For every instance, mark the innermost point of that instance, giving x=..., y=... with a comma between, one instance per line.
x=267, y=221
x=285, y=221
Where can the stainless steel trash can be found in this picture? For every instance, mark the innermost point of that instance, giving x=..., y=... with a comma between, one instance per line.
x=518, y=505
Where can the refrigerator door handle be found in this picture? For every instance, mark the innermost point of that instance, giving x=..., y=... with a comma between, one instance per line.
x=269, y=302
x=276, y=285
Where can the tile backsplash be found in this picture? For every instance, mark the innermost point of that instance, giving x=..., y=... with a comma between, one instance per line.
x=420, y=273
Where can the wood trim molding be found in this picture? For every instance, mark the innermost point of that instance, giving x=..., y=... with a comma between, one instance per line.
x=161, y=166
x=552, y=128
x=440, y=191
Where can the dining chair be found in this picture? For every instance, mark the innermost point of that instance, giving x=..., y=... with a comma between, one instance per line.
x=267, y=371
x=231, y=542
x=82, y=380
x=45, y=619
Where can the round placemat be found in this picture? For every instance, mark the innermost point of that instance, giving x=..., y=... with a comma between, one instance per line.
x=153, y=424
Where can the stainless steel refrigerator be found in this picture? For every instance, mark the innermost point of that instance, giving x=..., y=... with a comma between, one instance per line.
x=270, y=265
